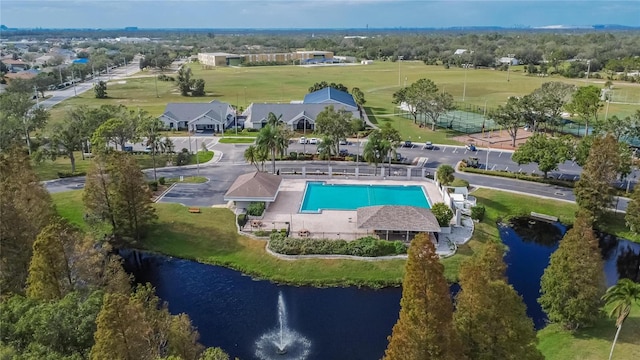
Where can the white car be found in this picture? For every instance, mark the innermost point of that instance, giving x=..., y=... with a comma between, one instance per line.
x=313, y=141
x=303, y=140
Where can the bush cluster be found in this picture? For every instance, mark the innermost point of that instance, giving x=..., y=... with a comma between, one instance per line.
x=477, y=212
x=368, y=246
x=64, y=174
x=153, y=185
x=256, y=208
x=521, y=176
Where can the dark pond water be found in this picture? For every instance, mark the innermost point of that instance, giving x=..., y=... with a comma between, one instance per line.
x=531, y=244
x=233, y=311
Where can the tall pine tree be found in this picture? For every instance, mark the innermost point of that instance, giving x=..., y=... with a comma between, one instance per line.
x=490, y=316
x=573, y=283
x=593, y=191
x=25, y=209
x=424, y=329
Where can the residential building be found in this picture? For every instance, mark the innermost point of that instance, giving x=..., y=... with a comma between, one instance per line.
x=212, y=117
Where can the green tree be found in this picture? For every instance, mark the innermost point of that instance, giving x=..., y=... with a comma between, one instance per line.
x=490, y=316
x=120, y=330
x=552, y=98
x=183, y=338
x=439, y=103
x=573, y=283
x=213, y=354
x=97, y=195
x=418, y=96
x=632, y=215
x=251, y=155
x=593, y=191
x=25, y=209
x=586, y=103
x=443, y=213
x=148, y=128
x=358, y=96
x=620, y=297
x=273, y=139
x=545, y=151
x=59, y=329
x=335, y=125
x=375, y=149
x=445, y=174
x=198, y=88
x=185, y=82
x=100, y=88
x=68, y=135
x=425, y=326
x=132, y=205
x=118, y=130
x=392, y=138
x=510, y=117
x=19, y=118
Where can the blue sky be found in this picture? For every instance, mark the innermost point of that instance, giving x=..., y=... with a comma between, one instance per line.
x=314, y=13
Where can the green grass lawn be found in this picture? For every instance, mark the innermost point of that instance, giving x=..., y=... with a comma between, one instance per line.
x=242, y=86
x=187, y=179
x=592, y=343
x=237, y=140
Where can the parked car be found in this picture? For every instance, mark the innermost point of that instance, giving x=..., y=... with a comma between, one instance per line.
x=407, y=144
x=344, y=152
x=313, y=141
x=470, y=147
x=303, y=140
x=343, y=142
x=428, y=145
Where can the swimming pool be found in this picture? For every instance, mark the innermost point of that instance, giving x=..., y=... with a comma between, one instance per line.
x=320, y=196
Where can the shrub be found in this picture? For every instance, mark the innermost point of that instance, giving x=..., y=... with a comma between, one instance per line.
x=153, y=185
x=62, y=174
x=367, y=246
x=162, y=180
x=242, y=220
x=443, y=213
x=260, y=233
x=183, y=157
x=477, y=212
x=256, y=208
x=293, y=155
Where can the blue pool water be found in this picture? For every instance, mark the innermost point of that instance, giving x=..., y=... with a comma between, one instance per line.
x=321, y=196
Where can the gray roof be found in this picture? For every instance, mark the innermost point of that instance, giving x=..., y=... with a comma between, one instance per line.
x=257, y=112
x=397, y=218
x=189, y=111
x=255, y=185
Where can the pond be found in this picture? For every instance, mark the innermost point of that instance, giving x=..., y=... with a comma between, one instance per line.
x=531, y=244
x=240, y=314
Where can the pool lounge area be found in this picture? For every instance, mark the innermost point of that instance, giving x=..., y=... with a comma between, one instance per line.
x=336, y=223
x=320, y=195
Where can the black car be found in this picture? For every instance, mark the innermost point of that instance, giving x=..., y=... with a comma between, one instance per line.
x=471, y=147
x=407, y=144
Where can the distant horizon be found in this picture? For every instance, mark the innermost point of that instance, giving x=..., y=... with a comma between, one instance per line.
x=317, y=14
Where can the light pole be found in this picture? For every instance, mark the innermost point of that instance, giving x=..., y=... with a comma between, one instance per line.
x=304, y=135
x=510, y=56
x=400, y=58
x=464, y=88
x=156, y=81
x=73, y=80
x=245, y=96
x=588, y=68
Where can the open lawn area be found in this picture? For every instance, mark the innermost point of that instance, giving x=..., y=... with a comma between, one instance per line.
x=48, y=170
x=242, y=86
x=237, y=140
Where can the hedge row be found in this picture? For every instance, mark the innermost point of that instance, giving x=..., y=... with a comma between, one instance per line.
x=368, y=246
x=520, y=176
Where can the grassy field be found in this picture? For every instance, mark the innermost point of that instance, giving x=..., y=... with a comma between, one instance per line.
x=187, y=179
x=237, y=140
x=592, y=343
x=242, y=86
x=48, y=170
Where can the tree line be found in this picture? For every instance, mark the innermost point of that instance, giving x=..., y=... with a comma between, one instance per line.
x=65, y=294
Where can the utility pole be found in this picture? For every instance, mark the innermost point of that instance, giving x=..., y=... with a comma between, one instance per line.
x=73, y=80
x=588, y=68
x=464, y=88
x=156, y=81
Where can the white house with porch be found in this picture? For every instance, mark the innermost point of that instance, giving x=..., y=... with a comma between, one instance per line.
x=212, y=117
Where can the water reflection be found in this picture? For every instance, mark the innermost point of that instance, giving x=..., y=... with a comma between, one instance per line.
x=531, y=244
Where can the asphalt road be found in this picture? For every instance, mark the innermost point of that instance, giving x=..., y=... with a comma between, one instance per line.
x=221, y=174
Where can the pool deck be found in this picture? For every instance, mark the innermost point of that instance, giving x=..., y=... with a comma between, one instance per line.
x=331, y=224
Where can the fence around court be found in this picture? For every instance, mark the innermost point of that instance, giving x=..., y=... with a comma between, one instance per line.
x=467, y=119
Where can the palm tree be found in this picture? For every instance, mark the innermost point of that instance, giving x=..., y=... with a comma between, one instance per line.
x=168, y=147
x=251, y=155
x=273, y=138
x=374, y=150
x=274, y=120
x=621, y=297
